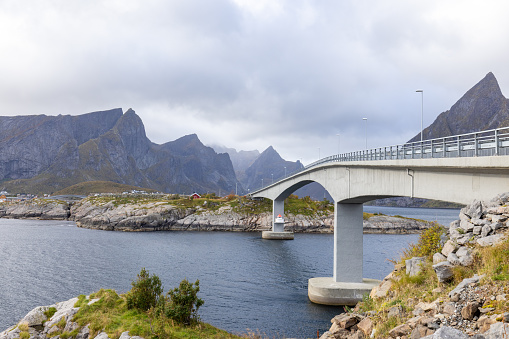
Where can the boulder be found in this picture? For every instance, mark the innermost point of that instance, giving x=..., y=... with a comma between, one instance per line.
x=449, y=247
x=469, y=310
x=447, y=332
x=413, y=265
x=466, y=226
x=36, y=316
x=345, y=320
x=491, y=240
x=395, y=311
x=366, y=326
x=420, y=331
x=498, y=218
x=474, y=210
x=449, y=308
x=477, y=230
x=381, y=290
x=443, y=271
x=400, y=331
x=497, y=331
x=438, y=257
x=453, y=259
x=465, y=256
x=462, y=285
x=485, y=231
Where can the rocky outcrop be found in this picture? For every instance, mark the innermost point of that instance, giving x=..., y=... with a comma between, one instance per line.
x=162, y=216
x=36, y=209
x=54, y=321
x=472, y=308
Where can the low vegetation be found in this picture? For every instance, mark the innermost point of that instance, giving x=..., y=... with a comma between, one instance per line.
x=407, y=291
x=145, y=312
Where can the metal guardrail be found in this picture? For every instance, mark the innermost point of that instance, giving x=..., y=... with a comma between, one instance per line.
x=485, y=143
x=477, y=144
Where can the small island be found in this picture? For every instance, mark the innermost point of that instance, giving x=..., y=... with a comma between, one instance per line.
x=170, y=212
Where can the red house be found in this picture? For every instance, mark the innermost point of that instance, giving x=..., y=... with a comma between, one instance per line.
x=195, y=196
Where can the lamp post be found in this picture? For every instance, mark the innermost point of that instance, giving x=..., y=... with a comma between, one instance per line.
x=272, y=175
x=262, y=182
x=318, y=153
x=285, y=171
x=366, y=119
x=422, y=109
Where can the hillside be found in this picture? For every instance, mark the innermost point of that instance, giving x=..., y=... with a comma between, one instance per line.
x=481, y=108
x=45, y=154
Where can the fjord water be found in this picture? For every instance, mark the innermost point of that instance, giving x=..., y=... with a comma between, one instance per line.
x=246, y=282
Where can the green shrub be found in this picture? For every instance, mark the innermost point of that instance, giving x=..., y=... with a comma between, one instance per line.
x=183, y=303
x=145, y=292
x=429, y=243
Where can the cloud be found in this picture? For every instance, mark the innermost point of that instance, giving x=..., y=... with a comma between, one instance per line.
x=253, y=73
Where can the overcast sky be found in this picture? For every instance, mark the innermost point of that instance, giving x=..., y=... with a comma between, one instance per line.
x=249, y=74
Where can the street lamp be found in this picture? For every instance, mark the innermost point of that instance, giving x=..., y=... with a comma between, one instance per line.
x=366, y=119
x=285, y=171
x=422, y=108
x=262, y=182
x=272, y=177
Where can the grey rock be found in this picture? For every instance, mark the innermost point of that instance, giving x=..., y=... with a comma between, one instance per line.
x=36, y=316
x=498, y=218
x=475, y=209
x=462, y=285
x=496, y=225
x=477, y=230
x=453, y=259
x=486, y=230
x=443, y=271
x=438, y=257
x=465, y=256
x=466, y=226
x=449, y=308
x=465, y=238
x=491, y=240
x=395, y=311
x=479, y=222
x=449, y=247
x=414, y=265
x=102, y=335
x=497, y=331
x=447, y=332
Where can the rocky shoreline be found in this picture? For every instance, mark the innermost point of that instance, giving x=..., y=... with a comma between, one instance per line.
x=477, y=307
x=161, y=216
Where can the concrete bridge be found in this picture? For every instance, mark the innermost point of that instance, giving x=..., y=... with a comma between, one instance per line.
x=457, y=169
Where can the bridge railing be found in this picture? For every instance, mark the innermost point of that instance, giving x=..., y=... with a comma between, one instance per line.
x=477, y=144
x=484, y=143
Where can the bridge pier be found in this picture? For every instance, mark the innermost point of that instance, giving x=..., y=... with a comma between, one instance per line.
x=278, y=224
x=346, y=286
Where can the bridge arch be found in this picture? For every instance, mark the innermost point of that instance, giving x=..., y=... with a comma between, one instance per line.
x=352, y=183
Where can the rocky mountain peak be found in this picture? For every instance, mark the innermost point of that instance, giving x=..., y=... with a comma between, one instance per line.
x=483, y=107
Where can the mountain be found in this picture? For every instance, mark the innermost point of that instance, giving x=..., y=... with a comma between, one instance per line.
x=241, y=160
x=481, y=108
x=269, y=166
x=48, y=153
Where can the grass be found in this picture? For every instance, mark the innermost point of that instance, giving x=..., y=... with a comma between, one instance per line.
x=407, y=291
x=110, y=314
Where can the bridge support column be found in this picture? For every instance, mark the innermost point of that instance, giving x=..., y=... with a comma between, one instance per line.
x=278, y=223
x=346, y=286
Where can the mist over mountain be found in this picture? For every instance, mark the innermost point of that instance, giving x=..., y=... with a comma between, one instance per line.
x=43, y=154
